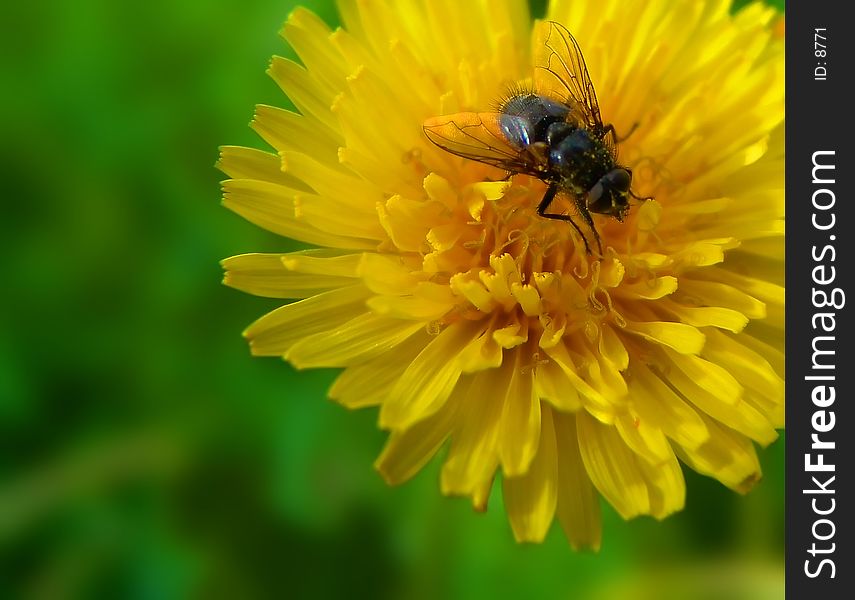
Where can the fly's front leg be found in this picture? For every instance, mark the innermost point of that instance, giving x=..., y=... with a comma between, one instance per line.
x=548, y=197
x=586, y=214
x=611, y=129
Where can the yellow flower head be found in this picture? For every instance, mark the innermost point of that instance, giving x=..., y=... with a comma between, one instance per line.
x=470, y=320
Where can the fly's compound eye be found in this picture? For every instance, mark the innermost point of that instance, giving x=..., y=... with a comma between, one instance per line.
x=607, y=197
x=619, y=179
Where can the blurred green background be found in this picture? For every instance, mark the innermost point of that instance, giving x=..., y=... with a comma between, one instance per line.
x=145, y=454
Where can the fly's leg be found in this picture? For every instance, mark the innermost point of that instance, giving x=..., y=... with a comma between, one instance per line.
x=548, y=197
x=607, y=129
x=637, y=197
x=507, y=177
x=586, y=214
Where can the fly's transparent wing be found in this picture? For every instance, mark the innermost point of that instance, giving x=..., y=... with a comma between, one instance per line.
x=478, y=136
x=560, y=71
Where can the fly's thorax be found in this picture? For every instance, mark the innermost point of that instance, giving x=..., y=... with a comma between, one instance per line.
x=578, y=156
x=525, y=118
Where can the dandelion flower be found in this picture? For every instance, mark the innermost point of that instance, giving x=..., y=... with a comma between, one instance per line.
x=479, y=327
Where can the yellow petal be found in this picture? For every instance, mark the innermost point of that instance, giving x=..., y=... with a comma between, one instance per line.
x=554, y=327
x=323, y=262
x=683, y=338
x=429, y=379
x=266, y=275
x=492, y=190
x=594, y=399
x=553, y=385
x=643, y=438
x=440, y=190
x=578, y=502
x=474, y=291
x=286, y=130
x=726, y=456
x=360, y=339
x=274, y=333
x=530, y=499
x=703, y=253
x=521, y=421
x=407, y=221
x=665, y=484
x=766, y=292
x=481, y=353
x=308, y=35
x=713, y=293
x=611, y=347
x=604, y=377
x=271, y=206
x=657, y=402
x=333, y=183
x=749, y=367
x=325, y=214
x=511, y=336
x=388, y=274
x=369, y=383
x=733, y=412
x=709, y=316
x=612, y=467
x=307, y=96
x=772, y=354
x=473, y=454
x=409, y=450
x=528, y=299
x=408, y=307
x=249, y=163
x=705, y=375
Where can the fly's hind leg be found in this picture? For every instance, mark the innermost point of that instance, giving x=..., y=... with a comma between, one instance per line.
x=548, y=197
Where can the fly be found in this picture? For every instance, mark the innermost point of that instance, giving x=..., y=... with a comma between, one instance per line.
x=554, y=133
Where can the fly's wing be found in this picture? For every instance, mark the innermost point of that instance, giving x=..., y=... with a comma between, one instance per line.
x=478, y=136
x=560, y=71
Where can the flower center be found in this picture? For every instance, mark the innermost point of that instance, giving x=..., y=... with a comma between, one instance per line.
x=508, y=260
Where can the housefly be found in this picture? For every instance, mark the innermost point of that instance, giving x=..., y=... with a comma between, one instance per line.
x=554, y=133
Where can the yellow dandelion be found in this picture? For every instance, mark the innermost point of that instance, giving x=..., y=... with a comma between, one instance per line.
x=476, y=325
